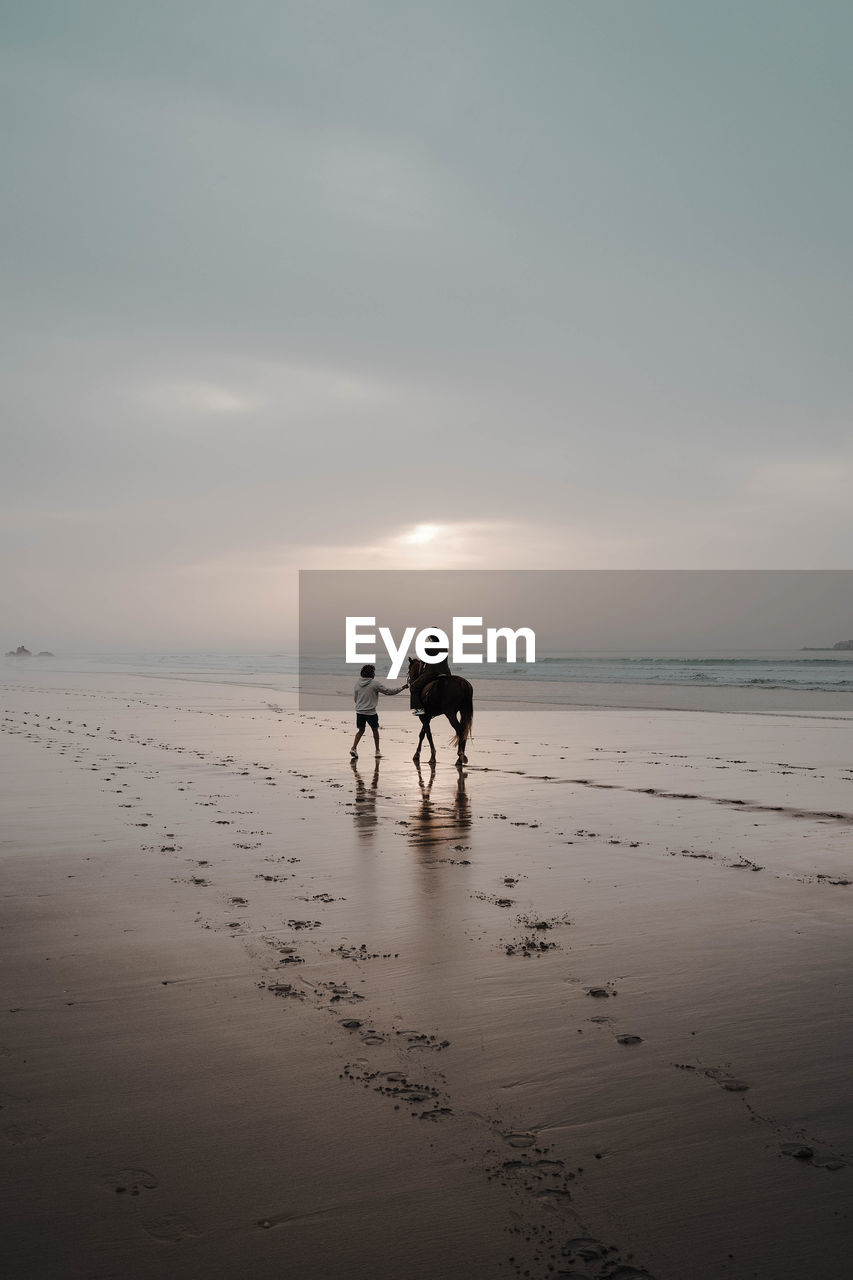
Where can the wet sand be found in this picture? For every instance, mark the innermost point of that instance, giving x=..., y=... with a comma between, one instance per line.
x=582, y=1010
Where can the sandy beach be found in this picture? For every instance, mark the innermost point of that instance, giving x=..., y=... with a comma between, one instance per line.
x=499, y=352
x=581, y=1010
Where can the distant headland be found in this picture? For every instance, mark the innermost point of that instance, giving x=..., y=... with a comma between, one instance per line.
x=23, y=652
x=827, y=648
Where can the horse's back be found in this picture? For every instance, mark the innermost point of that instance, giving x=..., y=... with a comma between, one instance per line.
x=448, y=688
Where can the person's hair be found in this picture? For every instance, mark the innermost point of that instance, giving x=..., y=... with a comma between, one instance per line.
x=368, y=670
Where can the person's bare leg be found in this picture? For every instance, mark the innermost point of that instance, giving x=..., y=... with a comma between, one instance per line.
x=356, y=740
x=376, y=739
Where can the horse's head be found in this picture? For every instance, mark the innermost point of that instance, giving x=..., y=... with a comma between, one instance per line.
x=415, y=668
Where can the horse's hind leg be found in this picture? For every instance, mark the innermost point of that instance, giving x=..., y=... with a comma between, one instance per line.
x=455, y=724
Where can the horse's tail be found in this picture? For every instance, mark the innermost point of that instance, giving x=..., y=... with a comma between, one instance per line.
x=466, y=716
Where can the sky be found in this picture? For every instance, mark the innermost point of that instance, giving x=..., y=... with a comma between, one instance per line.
x=381, y=284
x=573, y=610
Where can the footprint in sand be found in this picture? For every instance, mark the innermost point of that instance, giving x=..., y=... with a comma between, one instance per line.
x=718, y=1074
x=336, y=993
x=525, y=1167
x=519, y=1140
x=423, y=1040
x=284, y=989
x=831, y=1163
x=725, y=1081
x=130, y=1181
x=553, y=1197
x=172, y=1228
x=397, y=1086
x=808, y=1155
x=589, y=1251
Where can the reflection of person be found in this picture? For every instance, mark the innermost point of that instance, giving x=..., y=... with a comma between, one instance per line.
x=364, y=804
x=366, y=696
x=432, y=671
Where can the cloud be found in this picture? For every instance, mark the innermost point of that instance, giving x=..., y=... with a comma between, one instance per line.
x=197, y=398
x=266, y=387
x=339, y=285
x=365, y=180
x=479, y=545
x=821, y=486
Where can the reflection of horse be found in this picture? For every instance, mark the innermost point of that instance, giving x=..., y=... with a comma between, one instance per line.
x=451, y=696
x=437, y=824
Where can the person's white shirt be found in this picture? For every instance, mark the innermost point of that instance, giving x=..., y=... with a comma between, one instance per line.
x=367, y=691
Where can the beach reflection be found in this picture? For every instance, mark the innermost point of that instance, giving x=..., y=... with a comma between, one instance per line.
x=441, y=818
x=436, y=822
x=438, y=832
x=364, y=802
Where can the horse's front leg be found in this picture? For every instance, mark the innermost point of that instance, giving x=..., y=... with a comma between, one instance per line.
x=431, y=743
x=417, y=754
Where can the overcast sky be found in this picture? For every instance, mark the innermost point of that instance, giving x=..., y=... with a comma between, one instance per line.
x=466, y=283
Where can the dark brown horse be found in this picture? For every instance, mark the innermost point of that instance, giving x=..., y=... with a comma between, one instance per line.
x=450, y=696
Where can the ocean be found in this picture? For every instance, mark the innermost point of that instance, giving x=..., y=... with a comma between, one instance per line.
x=829, y=672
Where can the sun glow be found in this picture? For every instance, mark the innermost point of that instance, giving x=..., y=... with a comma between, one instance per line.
x=422, y=533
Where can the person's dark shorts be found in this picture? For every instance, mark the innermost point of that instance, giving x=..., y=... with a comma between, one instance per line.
x=363, y=717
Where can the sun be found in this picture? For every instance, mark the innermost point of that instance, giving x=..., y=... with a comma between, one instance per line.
x=422, y=533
